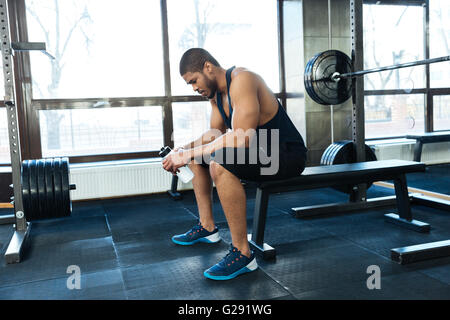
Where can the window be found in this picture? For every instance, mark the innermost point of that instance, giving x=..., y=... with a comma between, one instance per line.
x=394, y=115
x=235, y=32
x=439, y=42
x=103, y=48
x=113, y=51
x=190, y=121
x=100, y=131
x=4, y=138
x=393, y=35
x=441, y=112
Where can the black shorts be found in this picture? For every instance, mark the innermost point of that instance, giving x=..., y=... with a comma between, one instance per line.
x=260, y=166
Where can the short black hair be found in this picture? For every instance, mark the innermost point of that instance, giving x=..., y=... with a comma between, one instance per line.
x=193, y=60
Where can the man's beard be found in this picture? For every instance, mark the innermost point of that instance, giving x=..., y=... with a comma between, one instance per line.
x=212, y=86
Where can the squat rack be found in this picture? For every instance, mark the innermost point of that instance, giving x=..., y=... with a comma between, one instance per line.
x=402, y=255
x=21, y=226
x=21, y=231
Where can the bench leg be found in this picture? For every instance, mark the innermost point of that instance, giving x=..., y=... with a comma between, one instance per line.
x=173, y=189
x=421, y=252
x=256, y=239
x=418, y=151
x=404, y=216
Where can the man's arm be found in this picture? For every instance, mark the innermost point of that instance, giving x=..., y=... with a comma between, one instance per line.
x=217, y=128
x=245, y=119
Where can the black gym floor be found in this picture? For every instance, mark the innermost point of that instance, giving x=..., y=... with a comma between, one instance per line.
x=124, y=251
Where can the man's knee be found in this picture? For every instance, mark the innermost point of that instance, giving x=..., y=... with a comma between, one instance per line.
x=196, y=167
x=215, y=170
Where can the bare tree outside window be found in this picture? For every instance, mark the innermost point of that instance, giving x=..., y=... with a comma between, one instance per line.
x=393, y=35
x=235, y=37
x=197, y=33
x=58, y=37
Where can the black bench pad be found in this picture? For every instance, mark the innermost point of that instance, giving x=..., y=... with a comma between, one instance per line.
x=430, y=137
x=328, y=176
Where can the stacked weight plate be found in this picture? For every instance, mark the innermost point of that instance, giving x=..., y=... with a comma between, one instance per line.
x=342, y=152
x=46, y=189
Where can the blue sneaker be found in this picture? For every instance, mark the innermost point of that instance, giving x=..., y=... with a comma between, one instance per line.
x=197, y=234
x=234, y=264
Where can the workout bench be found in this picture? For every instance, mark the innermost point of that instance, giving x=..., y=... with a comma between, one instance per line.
x=428, y=137
x=335, y=175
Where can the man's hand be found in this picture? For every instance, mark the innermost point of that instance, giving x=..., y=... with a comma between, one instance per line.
x=175, y=160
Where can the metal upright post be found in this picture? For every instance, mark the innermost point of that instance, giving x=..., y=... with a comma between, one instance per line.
x=358, y=136
x=429, y=111
x=13, y=252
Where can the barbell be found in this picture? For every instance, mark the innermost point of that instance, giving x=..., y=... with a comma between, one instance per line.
x=328, y=76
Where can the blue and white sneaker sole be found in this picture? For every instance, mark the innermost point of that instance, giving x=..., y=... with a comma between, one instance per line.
x=252, y=266
x=214, y=238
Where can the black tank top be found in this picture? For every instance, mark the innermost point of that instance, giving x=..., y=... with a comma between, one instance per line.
x=288, y=133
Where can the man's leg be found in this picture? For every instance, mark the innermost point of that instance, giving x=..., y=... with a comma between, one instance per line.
x=205, y=231
x=202, y=184
x=232, y=197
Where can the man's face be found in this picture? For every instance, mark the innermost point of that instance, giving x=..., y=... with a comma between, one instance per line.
x=201, y=84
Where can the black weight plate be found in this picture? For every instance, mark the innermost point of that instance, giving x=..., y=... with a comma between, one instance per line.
x=308, y=79
x=57, y=190
x=326, y=64
x=346, y=154
x=49, y=196
x=330, y=92
x=40, y=174
x=344, y=151
x=67, y=204
x=305, y=78
x=370, y=154
x=337, y=146
x=25, y=181
x=326, y=154
x=34, y=203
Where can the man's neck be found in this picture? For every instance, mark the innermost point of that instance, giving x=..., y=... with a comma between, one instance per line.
x=221, y=80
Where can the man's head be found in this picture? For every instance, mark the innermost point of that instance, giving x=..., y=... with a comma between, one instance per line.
x=196, y=68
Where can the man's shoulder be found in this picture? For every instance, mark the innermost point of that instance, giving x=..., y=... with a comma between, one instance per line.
x=240, y=73
x=242, y=77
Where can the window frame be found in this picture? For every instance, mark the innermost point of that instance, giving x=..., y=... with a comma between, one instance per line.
x=427, y=90
x=29, y=108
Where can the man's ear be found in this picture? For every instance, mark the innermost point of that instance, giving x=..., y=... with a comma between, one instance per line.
x=207, y=67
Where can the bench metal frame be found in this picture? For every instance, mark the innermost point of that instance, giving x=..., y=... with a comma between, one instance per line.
x=421, y=139
x=329, y=176
x=428, y=137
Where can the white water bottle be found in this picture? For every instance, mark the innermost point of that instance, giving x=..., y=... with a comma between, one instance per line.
x=185, y=174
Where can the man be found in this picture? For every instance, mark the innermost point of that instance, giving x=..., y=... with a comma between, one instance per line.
x=259, y=130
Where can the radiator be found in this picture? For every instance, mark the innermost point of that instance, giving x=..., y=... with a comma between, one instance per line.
x=432, y=153
x=95, y=181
